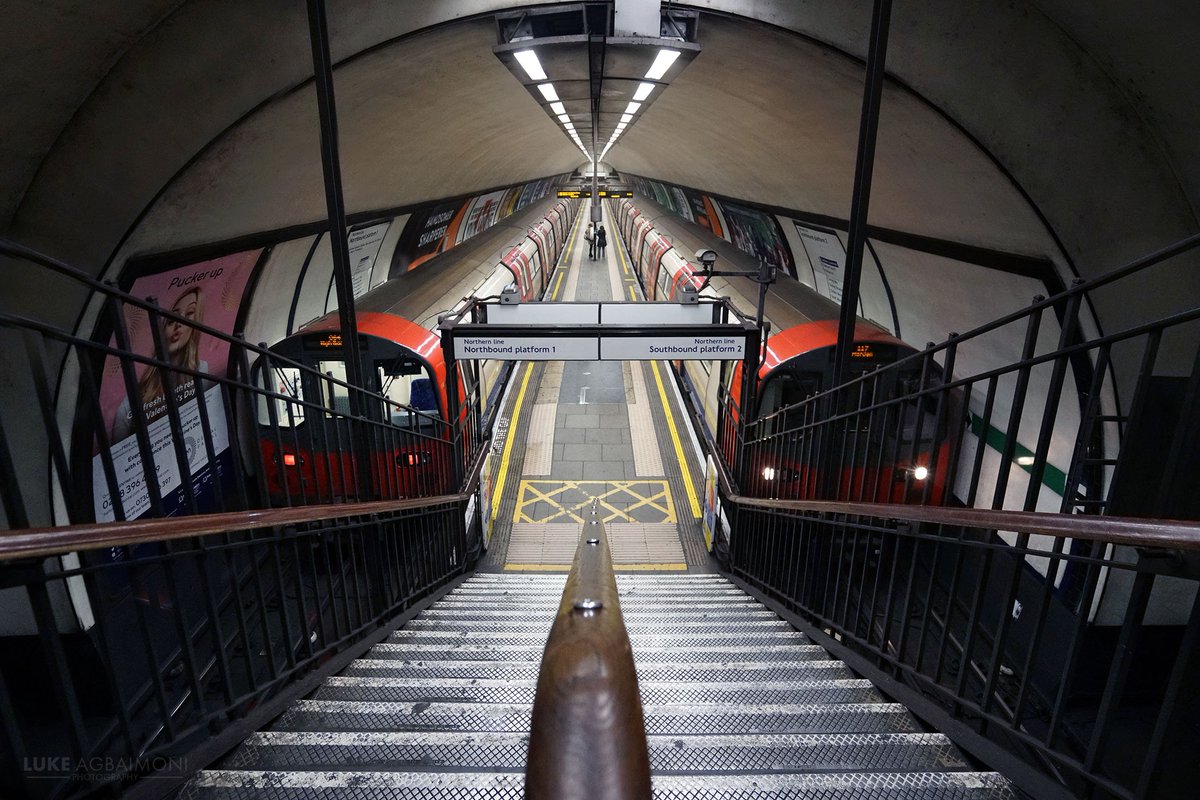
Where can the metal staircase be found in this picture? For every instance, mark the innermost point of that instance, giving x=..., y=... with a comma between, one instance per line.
x=737, y=705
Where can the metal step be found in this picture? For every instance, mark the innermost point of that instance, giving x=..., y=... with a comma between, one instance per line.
x=692, y=755
x=479, y=690
x=627, y=604
x=340, y=715
x=737, y=704
x=525, y=670
x=641, y=655
x=662, y=616
x=237, y=784
x=641, y=638
x=634, y=626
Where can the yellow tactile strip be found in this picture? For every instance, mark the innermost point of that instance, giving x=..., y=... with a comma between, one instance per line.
x=647, y=458
x=545, y=501
x=539, y=452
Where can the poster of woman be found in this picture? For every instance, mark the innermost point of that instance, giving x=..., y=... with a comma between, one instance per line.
x=208, y=293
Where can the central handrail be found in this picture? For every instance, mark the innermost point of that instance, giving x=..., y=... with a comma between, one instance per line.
x=588, y=735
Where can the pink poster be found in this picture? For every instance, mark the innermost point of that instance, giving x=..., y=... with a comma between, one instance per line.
x=210, y=293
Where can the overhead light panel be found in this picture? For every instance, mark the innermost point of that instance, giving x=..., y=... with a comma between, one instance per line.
x=632, y=108
x=547, y=90
x=558, y=108
x=529, y=62
x=661, y=64
x=643, y=91
x=626, y=118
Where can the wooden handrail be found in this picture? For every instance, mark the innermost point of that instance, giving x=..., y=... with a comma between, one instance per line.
x=42, y=542
x=588, y=737
x=1172, y=534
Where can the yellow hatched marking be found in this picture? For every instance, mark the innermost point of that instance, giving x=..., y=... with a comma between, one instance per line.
x=566, y=498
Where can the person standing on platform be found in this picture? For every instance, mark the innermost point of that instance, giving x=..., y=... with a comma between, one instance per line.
x=601, y=241
x=590, y=235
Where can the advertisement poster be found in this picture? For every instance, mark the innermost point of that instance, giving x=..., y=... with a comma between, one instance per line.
x=482, y=213
x=828, y=260
x=364, y=250
x=423, y=237
x=210, y=293
x=438, y=228
x=757, y=234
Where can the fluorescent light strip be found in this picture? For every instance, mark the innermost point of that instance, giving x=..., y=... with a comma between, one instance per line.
x=558, y=108
x=626, y=118
x=632, y=108
x=529, y=62
x=643, y=91
x=564, y=119
x=547, y=90
x=661, y=64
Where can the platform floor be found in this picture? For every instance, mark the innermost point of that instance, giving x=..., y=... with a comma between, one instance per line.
x=577, y=431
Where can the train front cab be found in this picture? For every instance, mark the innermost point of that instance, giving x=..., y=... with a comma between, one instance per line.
x=308, y=441
x=898, y=453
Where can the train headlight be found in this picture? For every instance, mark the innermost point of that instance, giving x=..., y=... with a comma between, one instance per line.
x=768, y=473
x=920, y=473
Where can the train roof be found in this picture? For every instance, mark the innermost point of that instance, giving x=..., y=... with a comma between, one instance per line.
x=436, y=285
x=789, y=303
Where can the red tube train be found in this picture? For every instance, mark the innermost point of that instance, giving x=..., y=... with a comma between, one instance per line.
x=307, y=439
x=901, y=453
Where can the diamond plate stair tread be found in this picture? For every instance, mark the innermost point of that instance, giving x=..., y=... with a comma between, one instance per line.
x=237, y=784
x=634, y=626
x=638, y=638
x=624, y=591
x=436, y=670
x=336, y=715
x=367, y=689
x=390, y=751
x=663, y=616
x=641, y=655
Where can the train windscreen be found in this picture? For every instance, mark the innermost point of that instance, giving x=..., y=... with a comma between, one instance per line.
x=404, y=381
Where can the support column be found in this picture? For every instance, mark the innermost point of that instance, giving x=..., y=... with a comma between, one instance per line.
x=865, y=164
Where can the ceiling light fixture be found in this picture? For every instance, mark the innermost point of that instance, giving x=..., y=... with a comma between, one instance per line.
x=529, y=62
x=558, y=108
x=632, y=108
x=626, y=118
x=547, y=90
x=661, y=64
x=643, y=91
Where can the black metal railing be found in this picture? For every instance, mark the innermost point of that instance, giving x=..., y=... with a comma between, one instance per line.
x=194, y=527
x=964, y=422
x=1002, y=542
x=1074, y=665
x=134, y=665
x=130, y=420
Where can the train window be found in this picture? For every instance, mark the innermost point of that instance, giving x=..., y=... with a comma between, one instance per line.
x=335, y=396
x=918, y=412
x=288, y=409
x=783, y=391
x=406, y=384
x=664, y=290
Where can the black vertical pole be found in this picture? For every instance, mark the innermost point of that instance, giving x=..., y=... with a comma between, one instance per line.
x=868, y=128
x=318, y=29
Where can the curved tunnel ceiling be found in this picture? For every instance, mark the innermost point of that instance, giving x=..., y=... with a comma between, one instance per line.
x=765, y=114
